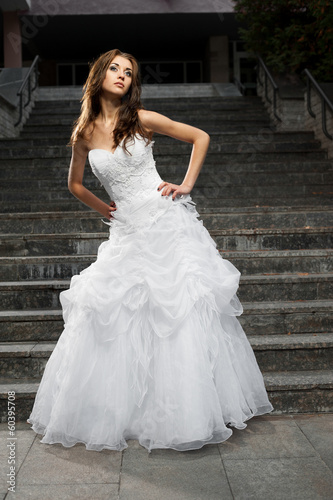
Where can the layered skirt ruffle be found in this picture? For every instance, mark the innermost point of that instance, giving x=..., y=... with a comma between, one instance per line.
x=152, y=348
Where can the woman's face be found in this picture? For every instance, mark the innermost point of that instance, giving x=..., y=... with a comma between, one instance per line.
x=118, y=78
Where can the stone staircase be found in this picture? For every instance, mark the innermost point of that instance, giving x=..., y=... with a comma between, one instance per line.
x=265, y=197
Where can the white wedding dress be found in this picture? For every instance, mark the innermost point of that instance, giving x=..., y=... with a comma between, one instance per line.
x=152, y=349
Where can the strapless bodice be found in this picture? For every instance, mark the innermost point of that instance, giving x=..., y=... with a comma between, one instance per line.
x=126, y=176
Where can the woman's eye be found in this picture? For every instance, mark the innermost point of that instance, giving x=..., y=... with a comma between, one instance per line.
x=127, y=73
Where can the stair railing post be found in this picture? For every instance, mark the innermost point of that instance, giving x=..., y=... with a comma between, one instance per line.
x=258, y=73
x=20, y=111
x=325, y=102
x=29, y=92
x=26, y=82
x=323, y=120
x=308, y=97
x=267, y=75
x=266, y=90
x=36, y=72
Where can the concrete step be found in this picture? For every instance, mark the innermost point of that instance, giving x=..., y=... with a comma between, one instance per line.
x=273, y=353
x=46, y=244
x=204, y=107
x=175, y=103
x=268, y=218
x=246, y=155
x=23, y=295
x=198, y=114
x=293, y=352
x=270, y=262
x=45, y=267
x=210, y=126
x=181, y=103
x=264, y=318
x=57, y=169
x=89, y=221
x=227, y=239
x=214, y=102
x=51, y=222
x=300, y=183
x=279, y=261
x=23, y=359
x=267, y=134
x=212, y=191
x=300, y=391
x=33, y=325
x=266, y=137
x=68, y=115
x=303, y=316
x=56, y=132
x=26, y=295
x=292, y=287
x=177, y=148
x=274, y=239
x=39, y=116
x=317, y=199
x=192, y=116
x=222, y=153
x=290, y=392
x=233, y=131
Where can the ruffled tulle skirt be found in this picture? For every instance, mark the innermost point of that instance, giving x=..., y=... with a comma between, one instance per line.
x=152, y=348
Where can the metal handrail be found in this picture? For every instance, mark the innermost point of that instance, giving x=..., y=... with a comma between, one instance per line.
x=27, y=82
x=325, y=102
x=273, y=83
x=240, y=86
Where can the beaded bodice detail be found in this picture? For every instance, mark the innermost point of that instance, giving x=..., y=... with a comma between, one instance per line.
x=126, y=176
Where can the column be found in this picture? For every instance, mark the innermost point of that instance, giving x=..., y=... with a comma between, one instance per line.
x=12, y=40
x=218, y=53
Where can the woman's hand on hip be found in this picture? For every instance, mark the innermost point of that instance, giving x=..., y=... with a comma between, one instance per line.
x=167, y=188
x=112, y=207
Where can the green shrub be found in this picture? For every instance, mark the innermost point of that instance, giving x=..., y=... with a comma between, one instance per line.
x=290, y=35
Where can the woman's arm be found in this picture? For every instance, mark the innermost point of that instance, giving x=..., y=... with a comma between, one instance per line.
x=200, y=140
x=75, y=177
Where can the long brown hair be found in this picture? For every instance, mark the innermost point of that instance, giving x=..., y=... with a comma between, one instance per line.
x=128, y=123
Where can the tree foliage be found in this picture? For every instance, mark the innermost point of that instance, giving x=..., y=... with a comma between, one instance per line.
x=290, y=35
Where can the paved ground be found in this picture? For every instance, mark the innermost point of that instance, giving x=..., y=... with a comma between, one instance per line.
x=275, y=457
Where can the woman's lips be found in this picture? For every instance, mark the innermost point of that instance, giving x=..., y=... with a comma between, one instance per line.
x=119, y=84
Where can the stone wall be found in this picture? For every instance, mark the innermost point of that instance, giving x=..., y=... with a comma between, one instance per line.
x=315, y=124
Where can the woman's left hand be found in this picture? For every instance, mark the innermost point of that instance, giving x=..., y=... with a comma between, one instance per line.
x=175, y=189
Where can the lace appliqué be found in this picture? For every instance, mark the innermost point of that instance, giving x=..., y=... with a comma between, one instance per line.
x=125, y=176
x=131, y=181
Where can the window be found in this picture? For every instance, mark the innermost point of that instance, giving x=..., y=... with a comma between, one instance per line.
x=171, y=72
x=72, y=73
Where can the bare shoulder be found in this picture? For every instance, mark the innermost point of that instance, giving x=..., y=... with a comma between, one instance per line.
x=80, y=149
x=161, y=124
x=88, y=134
x=146, y=115
x=146, y=118
x=152, y=120
x=83, y=142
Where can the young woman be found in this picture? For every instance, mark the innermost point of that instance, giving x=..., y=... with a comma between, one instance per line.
x=152, y=349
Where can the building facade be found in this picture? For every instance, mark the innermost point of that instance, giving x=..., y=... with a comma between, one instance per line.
x=175, y=41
